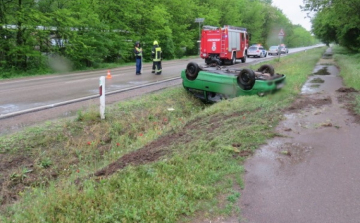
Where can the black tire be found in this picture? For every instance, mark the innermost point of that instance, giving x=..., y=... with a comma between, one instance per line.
x=246, y=79
x=233, y=60
x=243, y=59
x=207, y=61
x=266, y=68
x=192, y=71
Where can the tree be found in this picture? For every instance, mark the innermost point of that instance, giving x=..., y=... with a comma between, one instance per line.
x=336, y=21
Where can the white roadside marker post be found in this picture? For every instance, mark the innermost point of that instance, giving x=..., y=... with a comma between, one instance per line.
x=102, y=97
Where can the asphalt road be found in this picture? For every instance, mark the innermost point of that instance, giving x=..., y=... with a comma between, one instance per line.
x=24, y=95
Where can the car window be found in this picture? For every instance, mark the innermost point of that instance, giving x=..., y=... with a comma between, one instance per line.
x=273, y=48
x=253, y=48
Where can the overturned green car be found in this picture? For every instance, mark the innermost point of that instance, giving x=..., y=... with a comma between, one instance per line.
x=216, y=83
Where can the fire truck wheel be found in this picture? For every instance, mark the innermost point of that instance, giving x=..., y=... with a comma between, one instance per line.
x=233, y=60
x=243, y=60
x=267, y=68
x=192, y=71
x=246, y=79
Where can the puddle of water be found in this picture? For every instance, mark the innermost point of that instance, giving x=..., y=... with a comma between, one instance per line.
x=317, y=80
x=8, y=108
x=290, y=116
x=314, y=86
x=322, y=71
x=266, y=153
x=327, y=55
x=307, y=89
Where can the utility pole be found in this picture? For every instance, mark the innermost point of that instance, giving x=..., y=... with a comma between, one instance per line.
x=281, y=36
x=199, y=20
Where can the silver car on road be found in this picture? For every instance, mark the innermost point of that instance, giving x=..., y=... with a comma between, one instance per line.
x=273, y=50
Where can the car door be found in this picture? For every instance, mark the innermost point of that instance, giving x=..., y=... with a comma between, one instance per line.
x=262, y=53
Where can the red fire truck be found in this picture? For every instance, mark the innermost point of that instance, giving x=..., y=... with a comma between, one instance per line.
x=220, y=45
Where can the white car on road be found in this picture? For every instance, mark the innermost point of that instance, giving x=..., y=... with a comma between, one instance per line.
x=256, y=51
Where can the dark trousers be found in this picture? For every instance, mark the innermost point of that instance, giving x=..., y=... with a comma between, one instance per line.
x=156, y=68
x=138, y=65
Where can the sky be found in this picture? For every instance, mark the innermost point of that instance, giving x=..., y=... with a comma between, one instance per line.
x=292, y=10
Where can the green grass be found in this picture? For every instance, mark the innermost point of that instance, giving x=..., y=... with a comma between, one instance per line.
x=197, y=174
x=350, y=67
x=350, y=71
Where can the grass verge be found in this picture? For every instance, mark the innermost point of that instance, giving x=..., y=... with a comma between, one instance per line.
x=348, y=63
x=159, y=158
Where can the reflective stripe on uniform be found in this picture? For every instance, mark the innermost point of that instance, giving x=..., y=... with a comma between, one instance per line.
x=157, y=54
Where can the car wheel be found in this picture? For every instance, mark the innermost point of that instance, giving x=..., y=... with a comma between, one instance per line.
x=192, y=71
x=266, y=68
x=246, y=79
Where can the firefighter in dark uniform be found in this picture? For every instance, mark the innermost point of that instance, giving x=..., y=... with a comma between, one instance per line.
x=156, y=56
x=138, y=57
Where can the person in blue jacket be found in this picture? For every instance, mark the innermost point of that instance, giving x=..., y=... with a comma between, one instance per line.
x=138, y=57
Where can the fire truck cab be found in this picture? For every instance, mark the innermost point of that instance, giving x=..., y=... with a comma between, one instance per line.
x=221, y=45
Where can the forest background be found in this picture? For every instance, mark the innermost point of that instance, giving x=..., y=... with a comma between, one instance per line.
x=48, y=36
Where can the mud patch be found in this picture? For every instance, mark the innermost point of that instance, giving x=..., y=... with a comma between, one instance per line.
x=161, y=147
x=293, y=153
x=305, y=101
x=346, y=90
x=347, y=96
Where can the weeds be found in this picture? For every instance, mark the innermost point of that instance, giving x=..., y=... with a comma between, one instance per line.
x=187, y=157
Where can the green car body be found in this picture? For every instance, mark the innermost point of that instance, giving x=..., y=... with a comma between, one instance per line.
x=214, y=84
